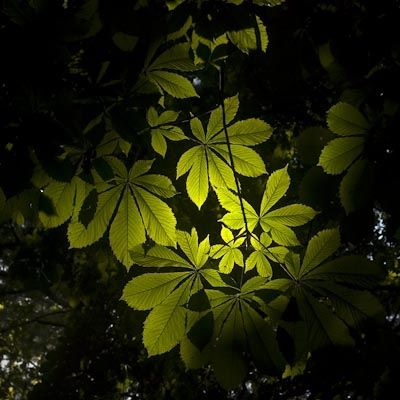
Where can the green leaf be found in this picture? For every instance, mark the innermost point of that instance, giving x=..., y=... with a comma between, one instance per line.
x=249, y=132
x=281, y=234
x=310, y=143
x=215, y=122
x=263, y=344
x=188, y=159
x=259, y=260
x=246, y=161
x=126, y=230
x=197, y=180
x=158, y=256
x=354, y=270
x=250, y=38
x=149, y=290
x=175, y=58
x=156, y=184
x=355, y=188
x=197, y=129
x=164, y=327
x=174, y=84
x=158, y=218
x=292, y=215
x=124, y=41
x=277, y=185
x=79, y=236
x=61, y=195
x=319, y=248
x=344, y=119
x=221, y=175
x=189, y=244
x=352, y=306
x=139, y=168
x=213, y=277
x=323, y=327
x=339, y=153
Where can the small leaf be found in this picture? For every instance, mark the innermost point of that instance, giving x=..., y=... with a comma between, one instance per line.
x=124, y=41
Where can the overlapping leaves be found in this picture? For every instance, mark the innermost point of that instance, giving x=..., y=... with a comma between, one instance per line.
x=345, y=153
x=277, y=222
x=327, y=294
x=130, y=203
x=160, y=73
x=208, y=162
x=167, y=294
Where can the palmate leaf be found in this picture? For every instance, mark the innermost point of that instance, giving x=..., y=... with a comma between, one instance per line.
x=132, y=197
x=324, y=328
x=229, y=253
x=238, y=327
x=327, y=321
x=163, y=129
x=158, y=72
x=168, y=293
x=209, y=163
x=277, y=222
x=344, y=120
x=263, y=253
x=339, y=153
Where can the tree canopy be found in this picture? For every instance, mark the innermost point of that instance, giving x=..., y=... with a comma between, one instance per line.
x=199, y=199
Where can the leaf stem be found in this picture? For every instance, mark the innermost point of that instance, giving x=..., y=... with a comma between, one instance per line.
x=228, y=143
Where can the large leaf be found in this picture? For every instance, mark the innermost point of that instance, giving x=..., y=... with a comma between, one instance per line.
x=339, y=153
x=352, y=306
x=276, y=187
x=172, y=83
x=355, y=187
x=164, y=327
x=158, y=218
x=148, y=290
x=175, y=58
x=127, y=229
x=249, y=132
x=209, y=162
x=323, y=327
x=344, y=119
x=353, y=270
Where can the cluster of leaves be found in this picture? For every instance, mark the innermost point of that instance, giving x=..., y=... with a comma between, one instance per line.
x=226, y=313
